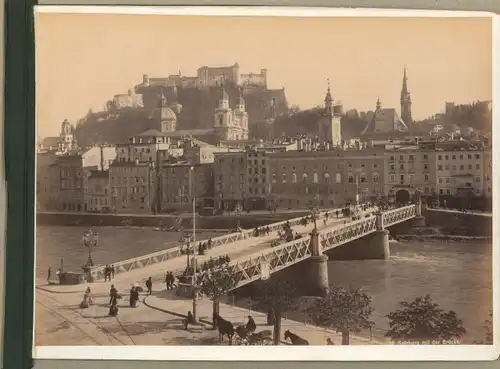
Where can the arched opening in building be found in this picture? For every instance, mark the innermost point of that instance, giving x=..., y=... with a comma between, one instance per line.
x=402, y=196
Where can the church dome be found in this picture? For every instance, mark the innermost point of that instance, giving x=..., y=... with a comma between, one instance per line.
x=163, y=113
x=167, y=114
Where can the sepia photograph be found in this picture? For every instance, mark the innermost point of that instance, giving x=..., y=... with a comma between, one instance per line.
x=245, y=180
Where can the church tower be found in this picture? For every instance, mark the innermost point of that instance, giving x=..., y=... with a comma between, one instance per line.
x=67, y=139
x=329, y=127
x=406, y=102
x=240, y=119
x=223, y=118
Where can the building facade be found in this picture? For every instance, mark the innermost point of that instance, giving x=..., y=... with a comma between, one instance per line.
x=132, y=187
x=410, y=169
x=97, y=193
x=180, y=182
x=460, y=170
x=326, y=178
x=230, y=179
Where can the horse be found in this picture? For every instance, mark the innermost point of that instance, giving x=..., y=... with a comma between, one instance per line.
x=296, y=340
x=225, y=327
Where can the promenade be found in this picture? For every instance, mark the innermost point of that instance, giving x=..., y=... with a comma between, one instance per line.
x=159, y=320
x=455, y=211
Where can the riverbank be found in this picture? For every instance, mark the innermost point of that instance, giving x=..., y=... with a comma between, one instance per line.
x=439, y=238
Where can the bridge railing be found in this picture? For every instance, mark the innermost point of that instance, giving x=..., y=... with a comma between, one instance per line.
x=348, y=232
x=175, y=252
x=278, y=258
x=398, y=215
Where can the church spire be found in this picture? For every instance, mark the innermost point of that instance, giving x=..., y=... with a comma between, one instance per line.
x=328, y=99
x=405, y=101
x=404, y=89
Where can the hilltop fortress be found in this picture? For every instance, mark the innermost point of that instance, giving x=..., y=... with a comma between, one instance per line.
x=210, y=76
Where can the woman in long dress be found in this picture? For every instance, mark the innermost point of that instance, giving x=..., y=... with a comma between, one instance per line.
x=87, y=299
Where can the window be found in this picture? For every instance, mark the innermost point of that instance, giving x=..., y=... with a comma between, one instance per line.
x=447, y=180
x=401, y=166
x=447, y=167
x=327, y=177
x=461, y=167
x=446, y=157
x=426, y=189
x=392, y=158
x=426, y=166
x=263, y=170
x=440, y=157
x=401, y=157
x=440, y=180
x=274, y=178
x=410, y=177
x=478, y=166
x=375, y=166
x=478, y=179
x=448, y=192
x=426, y=177
x=294, y=178
x=375, y=177
x=304, y=177
x=362, y=177
x=453, y=157
x=393, y=178
x=440, y=167
x=461, y=157
x=411, y=157
x=393, y=167
x=338, y=178
x=441, y=192
x=426, y=156
x=477, y=156
x=469, y=156
x=350, y=178
x=283, y=178
x=453, y=167
x=402, y=177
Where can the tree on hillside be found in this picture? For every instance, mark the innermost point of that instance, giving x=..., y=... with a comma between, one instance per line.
x=476, y=115
x=215, y=284
x=422, y=320
x=277, y=296
x=346, y=310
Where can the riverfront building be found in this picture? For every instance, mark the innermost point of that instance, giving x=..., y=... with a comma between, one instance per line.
x=179, y=182
x=132, y=187
x=97, y=195
x=326, y=178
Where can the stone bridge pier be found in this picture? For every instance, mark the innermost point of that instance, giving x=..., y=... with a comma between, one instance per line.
x=316, y=276
x=419, y=220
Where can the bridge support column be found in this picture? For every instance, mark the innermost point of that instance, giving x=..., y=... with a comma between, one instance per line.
x=317, y=281
x=379, y=245
x=419, y=220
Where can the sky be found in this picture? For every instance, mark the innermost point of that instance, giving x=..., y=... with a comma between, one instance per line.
x=82, y=60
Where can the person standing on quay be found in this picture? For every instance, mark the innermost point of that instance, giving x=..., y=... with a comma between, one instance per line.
x=49, y=274
x=149, y=285
x=112, y=267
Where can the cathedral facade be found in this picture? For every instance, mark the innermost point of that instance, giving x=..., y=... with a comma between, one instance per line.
x=231, y=124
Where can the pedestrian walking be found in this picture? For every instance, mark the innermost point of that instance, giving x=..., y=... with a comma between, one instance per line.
x=149, y=285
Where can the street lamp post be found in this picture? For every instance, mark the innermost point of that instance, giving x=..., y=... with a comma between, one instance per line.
x=90, y=240
x=193, y=259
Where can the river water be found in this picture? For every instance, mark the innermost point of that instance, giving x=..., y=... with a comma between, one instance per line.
x=458, y=276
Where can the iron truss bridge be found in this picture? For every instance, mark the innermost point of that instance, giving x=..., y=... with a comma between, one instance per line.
x=175, y=252
x=282, y=256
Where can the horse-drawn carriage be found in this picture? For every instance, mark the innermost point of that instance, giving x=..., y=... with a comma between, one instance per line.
x=244, y=337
